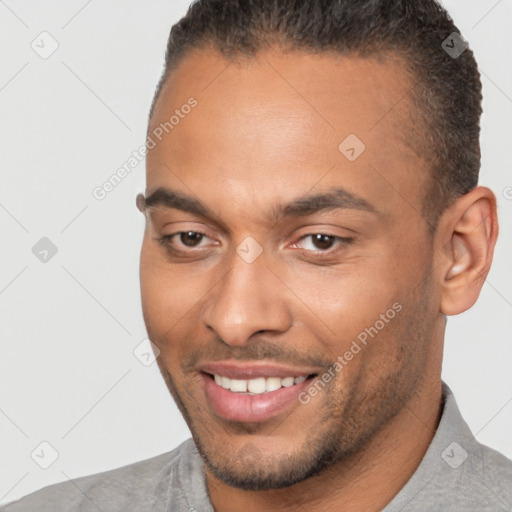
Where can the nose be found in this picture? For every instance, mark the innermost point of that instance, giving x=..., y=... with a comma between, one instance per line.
x=249, y=299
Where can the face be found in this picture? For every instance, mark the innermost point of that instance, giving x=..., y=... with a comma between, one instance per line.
x=285, y=268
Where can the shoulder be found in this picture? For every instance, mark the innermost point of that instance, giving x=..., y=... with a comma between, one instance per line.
x=481, y=476
x=473, y=477
x=144, y=485
x=494, y=472
x=457, y=473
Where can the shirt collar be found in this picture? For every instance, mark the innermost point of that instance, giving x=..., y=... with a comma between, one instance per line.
x=447, y=451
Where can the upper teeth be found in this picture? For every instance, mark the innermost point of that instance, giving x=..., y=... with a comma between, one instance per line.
x=257, y=385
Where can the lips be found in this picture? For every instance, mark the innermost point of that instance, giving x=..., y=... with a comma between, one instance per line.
x=253, y=393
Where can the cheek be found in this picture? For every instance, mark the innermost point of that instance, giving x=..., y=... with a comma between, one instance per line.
x=171, y=296
x=348, y=298
x=163, y=294
x=166, y=290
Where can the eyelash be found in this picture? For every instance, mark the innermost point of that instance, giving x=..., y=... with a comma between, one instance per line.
x=166, y=241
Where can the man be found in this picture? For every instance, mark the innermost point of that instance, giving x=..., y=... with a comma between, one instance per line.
x=312, y=217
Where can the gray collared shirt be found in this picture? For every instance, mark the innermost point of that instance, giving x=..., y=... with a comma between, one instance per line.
x=456, y=474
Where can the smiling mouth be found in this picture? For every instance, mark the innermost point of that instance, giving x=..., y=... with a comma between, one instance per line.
x=258, y=385
x=266, y=394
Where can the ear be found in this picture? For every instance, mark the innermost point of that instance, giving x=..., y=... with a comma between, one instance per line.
x=467, y=233
x=140, y=202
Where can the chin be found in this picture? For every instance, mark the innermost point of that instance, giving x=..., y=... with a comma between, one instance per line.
x=255, y=468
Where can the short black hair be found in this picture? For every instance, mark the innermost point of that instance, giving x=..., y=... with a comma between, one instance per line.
x=447, y=92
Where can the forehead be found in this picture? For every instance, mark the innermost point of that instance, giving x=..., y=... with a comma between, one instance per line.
x=283, y=122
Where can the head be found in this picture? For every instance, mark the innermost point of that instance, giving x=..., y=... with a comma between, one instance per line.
x=316, y=212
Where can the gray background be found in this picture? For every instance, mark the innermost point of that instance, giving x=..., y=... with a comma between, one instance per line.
x=68, y=373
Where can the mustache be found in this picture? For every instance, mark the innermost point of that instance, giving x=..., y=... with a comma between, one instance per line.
x=218, y=350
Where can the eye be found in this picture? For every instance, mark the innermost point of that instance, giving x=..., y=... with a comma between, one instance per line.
x=183, y=239
x=322, y=242
x=191, y=238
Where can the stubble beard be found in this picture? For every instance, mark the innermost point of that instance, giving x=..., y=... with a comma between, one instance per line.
x=342, y=432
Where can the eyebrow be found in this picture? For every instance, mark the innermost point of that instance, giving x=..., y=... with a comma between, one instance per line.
x=334, y=198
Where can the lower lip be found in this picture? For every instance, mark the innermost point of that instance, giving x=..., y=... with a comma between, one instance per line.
x=251, y=408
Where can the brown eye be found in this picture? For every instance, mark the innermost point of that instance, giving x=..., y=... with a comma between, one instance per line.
x=190, y=238
x=323, y=242
x=187, y=243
